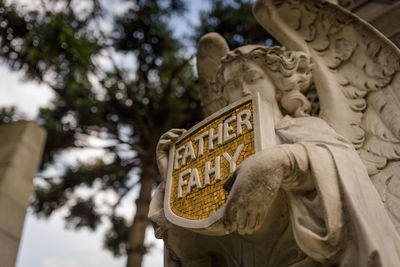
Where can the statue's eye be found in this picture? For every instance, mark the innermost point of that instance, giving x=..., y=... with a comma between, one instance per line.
x=232, y=85
x=252, y=77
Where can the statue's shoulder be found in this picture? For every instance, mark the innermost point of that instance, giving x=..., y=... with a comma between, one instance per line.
x=309, y=129
x=302, y=122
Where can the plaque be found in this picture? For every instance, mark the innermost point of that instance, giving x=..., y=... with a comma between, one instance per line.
x=203, y=158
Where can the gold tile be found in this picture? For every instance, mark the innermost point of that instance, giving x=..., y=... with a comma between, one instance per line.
x=201, y=203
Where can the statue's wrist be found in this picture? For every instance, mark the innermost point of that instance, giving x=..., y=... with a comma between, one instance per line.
x=297, y=166
x=274, y=160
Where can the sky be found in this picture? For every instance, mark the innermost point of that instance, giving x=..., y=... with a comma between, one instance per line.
x=47, y=242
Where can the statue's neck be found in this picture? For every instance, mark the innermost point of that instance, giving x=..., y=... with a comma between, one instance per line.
x=278, y=117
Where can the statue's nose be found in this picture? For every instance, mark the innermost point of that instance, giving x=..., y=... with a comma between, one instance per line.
x=245, y=89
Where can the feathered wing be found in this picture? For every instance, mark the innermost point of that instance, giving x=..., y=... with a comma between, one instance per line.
x=356, y=74
x=211, y=48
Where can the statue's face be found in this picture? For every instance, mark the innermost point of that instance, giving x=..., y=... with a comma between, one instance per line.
x=242, y=78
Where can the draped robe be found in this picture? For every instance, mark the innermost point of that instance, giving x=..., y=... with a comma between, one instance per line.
x=328, y=213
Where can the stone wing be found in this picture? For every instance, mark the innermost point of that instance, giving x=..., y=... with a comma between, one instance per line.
x=211, y=48
x=356, y=74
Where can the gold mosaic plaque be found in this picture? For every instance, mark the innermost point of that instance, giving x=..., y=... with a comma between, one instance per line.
x=203, y=158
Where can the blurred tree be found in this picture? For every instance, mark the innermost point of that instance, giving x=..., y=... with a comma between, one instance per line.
x=80, y=49
x=120, y=77
x=234, y=20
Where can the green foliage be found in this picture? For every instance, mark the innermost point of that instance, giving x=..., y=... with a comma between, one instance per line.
x=10, y=114
x=117, y=236
x=83, y=55
x=83, y=214
x=128, y=106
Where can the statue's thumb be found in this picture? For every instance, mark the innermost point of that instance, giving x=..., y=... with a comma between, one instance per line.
x=230, y=181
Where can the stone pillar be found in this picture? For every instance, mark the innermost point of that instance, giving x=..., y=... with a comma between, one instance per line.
x=21, y=146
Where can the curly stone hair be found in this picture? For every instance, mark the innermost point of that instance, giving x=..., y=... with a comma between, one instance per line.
x=290, y=72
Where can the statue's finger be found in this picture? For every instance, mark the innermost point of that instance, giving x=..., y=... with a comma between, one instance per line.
x=164, y=135
x=178, y=131
x=251, y=222
x=234, y=226
x=229, y=218
x=163, y=143
x=171, y=135
x=227, y=186
x=242, y=220
x=225, y=219
x=258, y=222
x=260, y=219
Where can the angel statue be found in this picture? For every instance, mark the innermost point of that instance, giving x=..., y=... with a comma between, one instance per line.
x=328, y=192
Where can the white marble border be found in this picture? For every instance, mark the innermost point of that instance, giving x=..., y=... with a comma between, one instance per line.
x=258, y=109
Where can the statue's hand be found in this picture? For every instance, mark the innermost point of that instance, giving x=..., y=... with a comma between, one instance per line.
x=162, y=151
x=256, y=184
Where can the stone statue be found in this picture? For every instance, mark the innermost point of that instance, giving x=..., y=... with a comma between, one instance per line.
x=327, y=193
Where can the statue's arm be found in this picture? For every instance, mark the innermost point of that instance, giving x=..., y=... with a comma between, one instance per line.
x=162, y=150
x=257, y=182
x=156, y=211
x=180, y=244
x=298, y=177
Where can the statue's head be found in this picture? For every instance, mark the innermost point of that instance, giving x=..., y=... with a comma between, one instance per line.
x=279, y=75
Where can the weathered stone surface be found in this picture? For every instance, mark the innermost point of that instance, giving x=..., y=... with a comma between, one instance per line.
x=18, y=142
x=326, y=194
x=16, y=186
x=12, y=216
x=21, y=146
x=9, y=247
